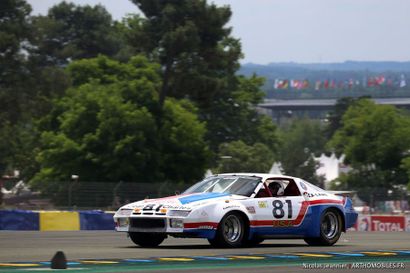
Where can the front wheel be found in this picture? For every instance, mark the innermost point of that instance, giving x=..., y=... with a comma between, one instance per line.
x=330, y=229
x=147, y=239
x=230, y=232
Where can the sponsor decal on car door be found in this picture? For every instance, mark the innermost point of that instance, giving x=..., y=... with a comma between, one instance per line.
x=285, y=211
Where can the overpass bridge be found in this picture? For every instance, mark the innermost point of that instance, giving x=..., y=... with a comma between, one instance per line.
x=314, y=108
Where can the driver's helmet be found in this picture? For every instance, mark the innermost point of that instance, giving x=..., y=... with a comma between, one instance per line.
x=276, y=188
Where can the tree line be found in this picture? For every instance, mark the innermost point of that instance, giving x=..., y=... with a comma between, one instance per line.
x=147, y=98
x=158, y=97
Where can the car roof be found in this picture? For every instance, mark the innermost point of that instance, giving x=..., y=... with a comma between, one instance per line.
x=264, y=176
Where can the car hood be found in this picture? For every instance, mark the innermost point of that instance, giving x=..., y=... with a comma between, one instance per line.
x=186, y=201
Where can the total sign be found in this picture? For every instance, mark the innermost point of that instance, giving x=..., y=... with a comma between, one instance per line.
x=388, y=223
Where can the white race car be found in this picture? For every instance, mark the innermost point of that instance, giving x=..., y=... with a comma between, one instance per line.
x=233, y=210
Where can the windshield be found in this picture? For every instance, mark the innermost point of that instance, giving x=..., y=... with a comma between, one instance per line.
x=240, y=185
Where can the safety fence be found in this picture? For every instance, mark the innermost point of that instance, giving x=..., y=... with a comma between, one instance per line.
x=100, y=220
x=77, y=195
x=55, y=220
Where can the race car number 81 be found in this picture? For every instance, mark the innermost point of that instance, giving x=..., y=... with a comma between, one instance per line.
x=151, y=207
x=278, y=211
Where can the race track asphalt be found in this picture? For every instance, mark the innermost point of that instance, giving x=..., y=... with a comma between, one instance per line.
x=34, y=246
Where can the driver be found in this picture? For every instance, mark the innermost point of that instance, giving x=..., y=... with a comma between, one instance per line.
x=276, y=189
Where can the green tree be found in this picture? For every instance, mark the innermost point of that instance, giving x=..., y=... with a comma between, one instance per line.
x=27, y=99
x=234, y=117
x=130, y=32
x=336, y=115
x=193, y=45
x=14, y=33
x=406, y=166
x=184, y=152
x=373, y=135
x=199, y=59
x=99, y=137
x=236, y=156
x=70, y=32
x=375, y=140
x=26, y=89
x=105, y=129
x=300, y=142
x=14, y=30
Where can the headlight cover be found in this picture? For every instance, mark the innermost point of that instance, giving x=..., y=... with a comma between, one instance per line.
x=124, y=212
x=122, y=222
x=176, y=223
x=180, y=213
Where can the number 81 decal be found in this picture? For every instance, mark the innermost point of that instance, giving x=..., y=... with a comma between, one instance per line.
x=278, y=211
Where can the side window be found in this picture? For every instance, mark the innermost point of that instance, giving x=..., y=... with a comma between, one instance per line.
x=292, y=189
x=283, y=187
x=262, y=193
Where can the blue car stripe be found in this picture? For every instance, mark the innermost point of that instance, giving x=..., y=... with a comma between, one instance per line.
x=346, y=254
x=199, y=197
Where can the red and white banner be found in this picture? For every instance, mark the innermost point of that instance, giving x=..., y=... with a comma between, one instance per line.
x=388, y=223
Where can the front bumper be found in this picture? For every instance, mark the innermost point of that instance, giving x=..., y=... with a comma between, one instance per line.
x=164, y=225
x=153, y=224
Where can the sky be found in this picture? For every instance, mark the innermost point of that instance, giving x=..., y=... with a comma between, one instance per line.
x=305, y=31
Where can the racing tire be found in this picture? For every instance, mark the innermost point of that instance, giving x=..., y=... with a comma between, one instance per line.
x=147, y=239
x=230, y=232
x=330, y=229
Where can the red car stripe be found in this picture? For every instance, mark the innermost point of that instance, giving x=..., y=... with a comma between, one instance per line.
x=200, y=224
x=275, y=223
x=327, y=201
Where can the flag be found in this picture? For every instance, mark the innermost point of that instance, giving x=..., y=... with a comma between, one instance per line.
x=280, y=84
x=402, y=81
x=379, y=80
x=333, y=84
x=351, y=83
x=370, y=82
x=276, y=84
x=326, y=84
x=285, y=84
x=296, y=84
x=317, y=85
x=305, y=84
x=292, y=83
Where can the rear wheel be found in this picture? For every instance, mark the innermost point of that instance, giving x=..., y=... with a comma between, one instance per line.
x=330, y=229
x=147, y=239
x=230, y=232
